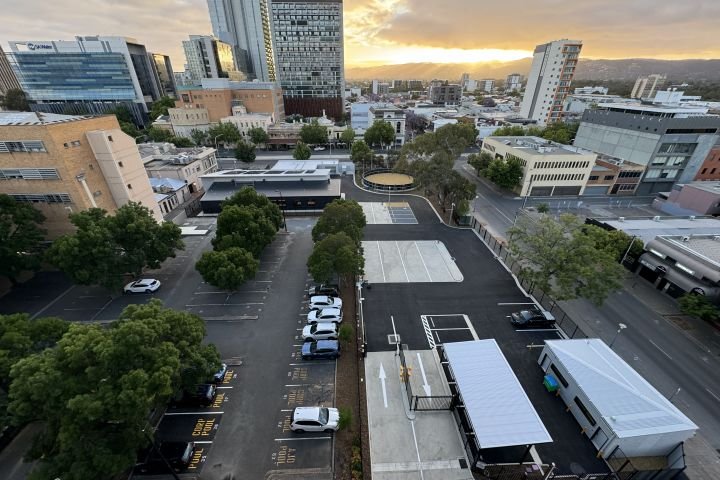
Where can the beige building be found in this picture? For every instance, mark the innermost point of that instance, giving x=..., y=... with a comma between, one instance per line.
x=165, y=160
x=185, y=120
x=64, y=164
x=549, y=169
x=218, y=96
x=245, y=121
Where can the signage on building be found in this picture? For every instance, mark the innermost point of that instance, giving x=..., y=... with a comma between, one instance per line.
x=39, y=46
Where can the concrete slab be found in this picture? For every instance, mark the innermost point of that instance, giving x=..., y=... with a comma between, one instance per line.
x=426, y=447
x=406, y=261
x=385, y=213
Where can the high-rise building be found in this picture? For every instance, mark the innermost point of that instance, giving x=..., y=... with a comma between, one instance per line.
x=444, y=93
x=112, y=71
x=165, y=77
x=513, y=82
x=487, y=85
x=645, y=87
x=548, y=84
x=309, y=55
x=245, y=25
x=65, y=163
x=8, y=80
x=208, y=57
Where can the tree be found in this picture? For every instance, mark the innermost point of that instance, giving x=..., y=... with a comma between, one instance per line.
x=488, y=102
x=227, y=269
x=181, y=142
x=336, y=255
x=198, y=136
x=302, y=151
x=258, y=136
x=157, y=134
x=247, y=197
x=122, y=113
x=505, y=173
x=105, y=248
x=480, y=162
x=160, y=107
x=414, y=122
x=245, y=152
x=455, y=138
x=227, y=132
x=360, y=153
x=20, y=237
x=510, y=131
x=698, y=306
x=340, y=216
x=347, y=136
x=313, y=133
x=543, y=208
x=455, y=188
x=245, y=227
x=380, y=133
x=554, y=255
x=94, y=391
x=130, y=129
x=15, y=99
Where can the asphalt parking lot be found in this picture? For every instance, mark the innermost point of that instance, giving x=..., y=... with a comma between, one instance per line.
x=388, y=213
x=409, y=262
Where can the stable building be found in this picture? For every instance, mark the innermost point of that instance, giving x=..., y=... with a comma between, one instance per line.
x=619, y=411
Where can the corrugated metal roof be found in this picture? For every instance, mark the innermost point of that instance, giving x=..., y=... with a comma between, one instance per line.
x=500, y=411
x=628, y=403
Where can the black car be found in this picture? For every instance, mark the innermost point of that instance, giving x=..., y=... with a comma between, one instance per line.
x=178, y=455
x=532, y=318
x=330, y=290
x=219, y=376
x=202, y=396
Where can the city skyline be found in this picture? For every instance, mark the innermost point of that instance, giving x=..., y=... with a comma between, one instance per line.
x=381, y=32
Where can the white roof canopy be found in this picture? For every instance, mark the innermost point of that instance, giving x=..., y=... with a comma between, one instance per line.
x=499, y=410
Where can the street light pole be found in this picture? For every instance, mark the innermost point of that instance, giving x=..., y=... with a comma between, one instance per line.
x=282, y=209
x=628, y=249
x=452, y=207
x=673, y=395
x=621, y=327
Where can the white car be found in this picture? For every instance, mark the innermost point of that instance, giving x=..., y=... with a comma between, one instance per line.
x=325, y=315
x=315, y=419
x=144, y=285
x=319, y=149
x=320, y=331
x=319, y=302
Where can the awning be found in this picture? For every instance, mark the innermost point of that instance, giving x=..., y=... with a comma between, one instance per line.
x=497, y=406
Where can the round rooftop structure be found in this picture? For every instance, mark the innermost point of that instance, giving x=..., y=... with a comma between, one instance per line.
x=385, y=180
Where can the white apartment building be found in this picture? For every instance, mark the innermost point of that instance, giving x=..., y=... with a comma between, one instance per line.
x=645, y=87
x=245, y=121
x=164, y=160
x=548, y=84
x=392, y=115
x=513, y=82
x=591, y=90
x=208, y=57
x=549, y=169
x=487, y=85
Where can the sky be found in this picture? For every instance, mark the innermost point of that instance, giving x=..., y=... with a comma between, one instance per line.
x=382, y=32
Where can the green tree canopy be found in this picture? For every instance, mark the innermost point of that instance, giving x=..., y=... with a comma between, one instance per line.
x=20, y=237
x=565, y=258
x=198, y=136
x=122, y=113
x=480, y=162
x=347, y=136
x=505, y=173
x=227, y=269
x=455, y=188
x=157, y=134
x=455, y=138
x=181, y=142
x=15, y=99
x=336, y=255
x=94, y=391
x=105, y=247
x=313, y=133
x=360, y=153
x=302, y=151
x=698, y=306
x=130, y=129
x=226, y=133
x=380, y=133
x=247, y=197
x=245, y=227
x=258, y=136
x=160, y=107
x=245, y=152
x=340, y=216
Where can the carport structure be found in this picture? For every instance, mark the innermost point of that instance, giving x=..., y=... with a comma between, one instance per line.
x=492, y=411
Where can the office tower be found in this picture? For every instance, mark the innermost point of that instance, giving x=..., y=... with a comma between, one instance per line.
x=548, y=84
x=374, y=86
x=165, y=77
x=208, y=57
x=112, y=71
x=487, y=85
x=8, y=80
x=513, y=82
x=308, y=47
x=645, y=87
x=245, y=25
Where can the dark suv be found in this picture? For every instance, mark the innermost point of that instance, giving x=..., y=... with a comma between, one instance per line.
x=330, y=290
x=178, y=455
x=532, y=318
x=201, y=396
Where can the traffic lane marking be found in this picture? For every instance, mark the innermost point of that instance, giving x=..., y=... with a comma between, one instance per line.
x=303, y=452
x=310, y=396
x=189, y=428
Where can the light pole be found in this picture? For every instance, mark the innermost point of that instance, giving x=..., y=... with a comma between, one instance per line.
x=215, y=141
x=452, y=207
x=621, y=327
x=628, y=249
x=282, y=209
x=673, y=395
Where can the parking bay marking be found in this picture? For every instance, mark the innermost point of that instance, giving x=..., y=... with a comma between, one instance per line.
x=167, y=414
x=301, y=439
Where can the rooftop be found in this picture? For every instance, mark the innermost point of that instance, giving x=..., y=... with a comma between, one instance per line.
x=302, y=174
x=628, y=403
x=647, y=228
x=673, y=110
x=712, y=187
x=37, y=118
x=540, y=146
x=222, y=190
x=156, y=155
x=706, y=246
x=166, y=185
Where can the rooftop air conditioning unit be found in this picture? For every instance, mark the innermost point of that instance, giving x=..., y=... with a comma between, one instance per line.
x=656, y=218
x=692, y=217
x=621, y=219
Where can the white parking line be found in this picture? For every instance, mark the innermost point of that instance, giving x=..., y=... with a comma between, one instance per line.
x=193, y=413
x=299, y=439
x=402, y=262
x=423, y=262
x=711, y=393
x=382, y=268
x=518, y=303
x=417, y=450
x=223, y=388
x=472, y=329
x=204, y=442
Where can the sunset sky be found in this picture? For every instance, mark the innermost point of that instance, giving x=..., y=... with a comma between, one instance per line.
x=379, y=32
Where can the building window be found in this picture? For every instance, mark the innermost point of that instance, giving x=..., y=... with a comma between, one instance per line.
x=129, y=186
x=23, y=146
x=688, y=148
x=120, y=164
x=110, y=138
x=559, y=375
x=711, y=171
x=609, y=177
x=585, y=411
x=42, y=198
x=29, y=174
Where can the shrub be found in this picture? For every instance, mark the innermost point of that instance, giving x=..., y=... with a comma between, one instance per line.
x=345, y=418
x=345, y=333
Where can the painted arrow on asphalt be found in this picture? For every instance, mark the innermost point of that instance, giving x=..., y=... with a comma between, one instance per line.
x=382, y=382
x=426, y=385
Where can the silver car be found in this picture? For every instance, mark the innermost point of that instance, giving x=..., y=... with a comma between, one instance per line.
x=325, y=315
x=318, y=302
x=320, y=331
x=315, y=419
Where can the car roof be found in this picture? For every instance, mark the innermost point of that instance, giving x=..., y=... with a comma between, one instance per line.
x=321, y=298
x=326, y=326
x=331, y=310
x=306, y=413
x=327, y=343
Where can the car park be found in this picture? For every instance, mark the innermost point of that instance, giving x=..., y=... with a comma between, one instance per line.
x=320, y=331
x=144, y=285
x=177, y=454
x=220, y=374
x=202, y=396
x=325, y=315
x=319, y=302
x=315, y=419
x=532, y=318
x=329, y=289
x=321, y=349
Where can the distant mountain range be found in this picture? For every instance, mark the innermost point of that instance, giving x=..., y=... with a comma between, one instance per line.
x=625, y=69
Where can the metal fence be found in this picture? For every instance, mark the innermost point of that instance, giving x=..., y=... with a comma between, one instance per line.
x=421, y=402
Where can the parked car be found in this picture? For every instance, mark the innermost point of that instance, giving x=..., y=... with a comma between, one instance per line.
x=202, y=396
x=325, y=315
x=319, y=302
x=315, y=419
x=321, y=349
x=532, y=318
x=144, y=285
x=220, y=374
x=320, y=331
x=178, y=455
x=319, y=148
x=330, y=290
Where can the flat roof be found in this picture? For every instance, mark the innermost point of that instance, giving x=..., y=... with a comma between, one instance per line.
x=649, y=228
x=222, y=190
x=656, y=108
x=499, y=409
x=304, y=164
x=712, y=187
x=705, y=246
x=628, y=403
x=36, y=118
x=539, y=146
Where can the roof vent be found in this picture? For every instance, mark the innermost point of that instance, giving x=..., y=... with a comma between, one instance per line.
x=656, y=218
x=716, y=238
x=621, y=219
x=686, y=238
x=692, y=217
